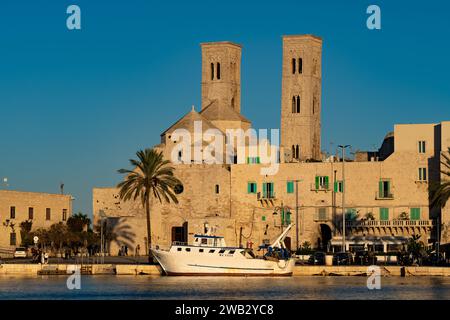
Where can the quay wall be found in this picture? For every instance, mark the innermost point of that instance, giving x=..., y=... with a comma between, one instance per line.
x=133, y=269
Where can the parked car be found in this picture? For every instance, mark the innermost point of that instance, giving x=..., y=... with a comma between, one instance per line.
x=20, y=252
x=317, y=258
x=365, y=258
x=342, y=258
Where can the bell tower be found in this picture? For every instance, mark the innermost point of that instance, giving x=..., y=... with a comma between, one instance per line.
x=301, y=97
x=221, y=74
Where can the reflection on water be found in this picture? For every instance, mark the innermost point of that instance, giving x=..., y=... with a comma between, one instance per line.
x=156, y=287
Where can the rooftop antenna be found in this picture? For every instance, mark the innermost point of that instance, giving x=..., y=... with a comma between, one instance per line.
x=61, y=187
x=5, y=182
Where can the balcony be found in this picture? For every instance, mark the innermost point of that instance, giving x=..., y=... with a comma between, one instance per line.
x=266, y=196
x=389, y=223
x=321, y=187
x=384, y=196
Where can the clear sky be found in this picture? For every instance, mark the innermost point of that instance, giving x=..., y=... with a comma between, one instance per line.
x=76, y=105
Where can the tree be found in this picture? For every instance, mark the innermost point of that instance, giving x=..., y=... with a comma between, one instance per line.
x=78, y=222
x=151, y=177
x=440, y=192
x=25, y=229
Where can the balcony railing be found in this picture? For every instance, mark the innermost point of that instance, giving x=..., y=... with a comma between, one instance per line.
x=389, y=223
x=266, y=196
x=320, y=187
x=384, y=196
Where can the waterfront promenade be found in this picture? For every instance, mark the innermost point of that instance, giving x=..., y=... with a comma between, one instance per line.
x=28, y=269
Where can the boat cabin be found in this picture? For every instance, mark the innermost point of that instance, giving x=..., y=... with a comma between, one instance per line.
x=208, y=241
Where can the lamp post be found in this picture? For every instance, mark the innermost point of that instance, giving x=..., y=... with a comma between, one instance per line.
x=343, y=147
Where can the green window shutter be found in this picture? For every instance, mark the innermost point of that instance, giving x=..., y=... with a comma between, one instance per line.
x=326, y=182
x=384, y=213
x=255, y=187
x=388, y=187
x=290, y=187
x=258, y=160
x=282, y=216
x=248, y=160
x=264, y=190
x=317, y=182
x=415, y=214
x=288, y=217
x=249, y=187
x=342, y=186
x=263, y=218
x=380, y=188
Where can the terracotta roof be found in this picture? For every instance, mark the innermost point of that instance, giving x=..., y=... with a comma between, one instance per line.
x=217, y=111
x=187, y=122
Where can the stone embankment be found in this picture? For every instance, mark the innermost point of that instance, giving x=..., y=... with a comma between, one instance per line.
x=142, y=269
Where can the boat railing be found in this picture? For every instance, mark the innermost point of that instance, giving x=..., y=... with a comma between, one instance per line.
x=179, y=243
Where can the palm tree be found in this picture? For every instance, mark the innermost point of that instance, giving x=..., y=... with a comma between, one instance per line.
x=151, y=176
x=440, y=193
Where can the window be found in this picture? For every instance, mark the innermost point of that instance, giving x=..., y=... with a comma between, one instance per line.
x=178, y=249
x=180, y=155
x=339, y=186
x=290, y=187
x=212, y=71
x=384, y=213
x=263, y=218
x=314, y=105
x=12, y=212
x=253, y=160
x=298, y=105
x=268, y=190
x=64, y=215
x=200, y=250
x=218, y=71
x=30, y=213
x=422, y=147
x=222, y=251
x=251, y=187
x=217, y=189
x=293, y=66
x=12, y=239
x=231, y=251
x=384, y=189
x=212, y=251
x=296, y=152
x=415, y=214
x=188, y=249
x=322, y=213
x=204, y=241
x=293, y=104
x=47, y=214
x=322, y=182
x=422, y=174
x=300, y=65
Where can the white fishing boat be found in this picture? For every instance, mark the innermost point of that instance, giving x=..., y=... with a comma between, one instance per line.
x=209, y=255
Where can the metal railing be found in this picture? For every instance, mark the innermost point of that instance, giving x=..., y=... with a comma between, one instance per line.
x=390, y=223
x=384, y=195
x=268, y=195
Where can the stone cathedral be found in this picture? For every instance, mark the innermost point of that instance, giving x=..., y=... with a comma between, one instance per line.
x=386, y=198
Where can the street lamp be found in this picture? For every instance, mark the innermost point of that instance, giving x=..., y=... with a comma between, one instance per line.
x=343, y=147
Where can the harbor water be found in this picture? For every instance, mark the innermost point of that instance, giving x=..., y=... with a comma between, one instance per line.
x=247, y=288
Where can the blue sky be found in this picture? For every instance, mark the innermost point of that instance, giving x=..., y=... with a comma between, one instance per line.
x=76, y=105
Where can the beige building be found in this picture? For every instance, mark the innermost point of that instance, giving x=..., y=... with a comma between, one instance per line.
x=42, y=209
x=386, y=191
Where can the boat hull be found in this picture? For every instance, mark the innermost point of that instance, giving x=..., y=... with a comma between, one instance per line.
x=184, y=264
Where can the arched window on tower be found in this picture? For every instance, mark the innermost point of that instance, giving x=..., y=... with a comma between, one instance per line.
x=212, y=71
x=293, y=65
x=297, y=152
x=300, y=65
x=293, y=105
x=218, y=70
x=298, y=104
x=293, y=152
x=314, y=105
